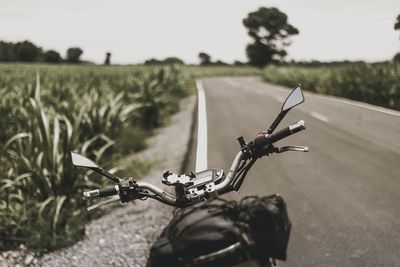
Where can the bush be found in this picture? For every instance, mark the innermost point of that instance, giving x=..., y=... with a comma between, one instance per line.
x=52, y=56
x=104, y=113
x=378, y=84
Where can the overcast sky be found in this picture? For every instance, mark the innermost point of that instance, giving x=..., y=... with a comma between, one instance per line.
x=135, y=30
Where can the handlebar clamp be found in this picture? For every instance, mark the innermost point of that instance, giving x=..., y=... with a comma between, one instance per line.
x=128, y=190
x=263, y=144
x=259, y=148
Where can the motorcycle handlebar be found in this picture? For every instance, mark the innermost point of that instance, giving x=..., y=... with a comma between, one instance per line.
x=263, y=141
x=169, y=199
x=292, y=129
x=104, y=192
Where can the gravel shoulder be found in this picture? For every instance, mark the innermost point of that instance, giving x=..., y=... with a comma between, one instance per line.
x=124, y=236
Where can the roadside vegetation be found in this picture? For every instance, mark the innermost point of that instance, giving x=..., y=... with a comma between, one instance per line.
x=377, y=84
x=103, y=112
x=374, y=83
x=46, y=112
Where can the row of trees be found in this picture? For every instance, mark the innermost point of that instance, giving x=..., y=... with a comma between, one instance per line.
x=168, y=60
x=28, y=52
x=270, y=30
x=268, y=27
x=205, y=60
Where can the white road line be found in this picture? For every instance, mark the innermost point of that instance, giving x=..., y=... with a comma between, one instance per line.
x=363, y=105
x=319, y=116
x=201, y=152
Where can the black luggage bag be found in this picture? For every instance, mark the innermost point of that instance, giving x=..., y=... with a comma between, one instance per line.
x=224, y=233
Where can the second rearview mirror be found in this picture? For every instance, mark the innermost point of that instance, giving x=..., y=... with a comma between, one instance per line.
x=82, y=161
x=295, y=98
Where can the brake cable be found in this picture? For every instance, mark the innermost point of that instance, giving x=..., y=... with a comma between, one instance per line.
x=243, y=174
x=239, y=171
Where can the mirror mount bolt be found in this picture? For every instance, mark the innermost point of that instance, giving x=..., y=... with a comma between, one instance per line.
x=244, y=147
x=241, y=141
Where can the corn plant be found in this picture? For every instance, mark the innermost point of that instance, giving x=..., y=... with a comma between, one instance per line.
x=39, y=195
x=94, y=111
x=158, y=92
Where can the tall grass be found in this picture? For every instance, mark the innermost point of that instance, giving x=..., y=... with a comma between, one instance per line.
x=83, y=109
x=102, y=112
x=378, y=84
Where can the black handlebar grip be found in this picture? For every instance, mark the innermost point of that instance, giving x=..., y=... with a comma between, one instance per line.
x=105, y=192
x=297, y=127
x=108, y=191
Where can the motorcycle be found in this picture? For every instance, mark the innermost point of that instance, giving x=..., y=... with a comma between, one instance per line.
x=198, y=189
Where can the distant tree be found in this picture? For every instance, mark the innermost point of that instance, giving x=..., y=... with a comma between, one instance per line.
x=220, y=63
x=396, y=58
x=52, y=56
x=270, y=31
x=7, y=52
x=74, y=54
x=108, y=59
x=397, y=24
x=238, y=63
x=26, y=51
x=259, y=54
x=168, y=60
x=174, y=60
x=205, y=59
x=152, y=61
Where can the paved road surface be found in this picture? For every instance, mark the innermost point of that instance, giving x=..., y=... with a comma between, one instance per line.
x=343, y=196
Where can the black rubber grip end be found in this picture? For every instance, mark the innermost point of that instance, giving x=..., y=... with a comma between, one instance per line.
x=108, y=191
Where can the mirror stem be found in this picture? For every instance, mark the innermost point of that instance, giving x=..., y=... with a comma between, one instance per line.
x=277, y=121
x=106, y=174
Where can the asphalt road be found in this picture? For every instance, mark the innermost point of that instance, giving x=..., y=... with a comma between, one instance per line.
x=343, y=196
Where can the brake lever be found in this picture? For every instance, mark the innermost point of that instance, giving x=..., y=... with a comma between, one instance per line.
x=292, y=148
x=105, y=202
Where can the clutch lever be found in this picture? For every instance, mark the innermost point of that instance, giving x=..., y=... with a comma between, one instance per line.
x=105, y=202
x=292, y=148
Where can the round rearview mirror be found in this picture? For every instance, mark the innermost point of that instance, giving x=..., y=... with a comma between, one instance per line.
x=295, y=98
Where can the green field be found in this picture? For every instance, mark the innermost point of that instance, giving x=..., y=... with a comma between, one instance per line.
x=377, y=84
x=103, y=112
x=48, y=111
